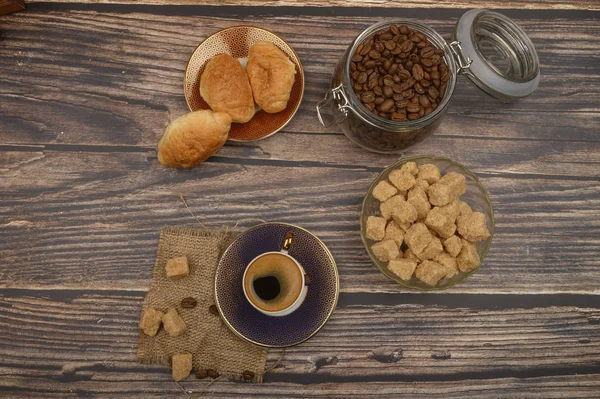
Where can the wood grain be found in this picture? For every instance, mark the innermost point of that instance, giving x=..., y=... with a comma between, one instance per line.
x=539, y=4
x=69, y=343
x=125, y=83
x=96, y=223
x=86, y=90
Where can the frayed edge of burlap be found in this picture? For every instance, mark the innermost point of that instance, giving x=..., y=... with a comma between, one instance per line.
x=166, y=361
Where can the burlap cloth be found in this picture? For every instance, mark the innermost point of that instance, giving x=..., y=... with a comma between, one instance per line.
x=206, y=337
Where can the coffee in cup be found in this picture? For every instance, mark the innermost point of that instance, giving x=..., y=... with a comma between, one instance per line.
x=274, y=282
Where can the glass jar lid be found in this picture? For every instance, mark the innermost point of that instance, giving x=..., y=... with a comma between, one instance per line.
x=496, y=54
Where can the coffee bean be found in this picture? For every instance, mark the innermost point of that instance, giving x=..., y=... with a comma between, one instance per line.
x=248, y=375
x=402, y=103
x=413, y=108
x=213, y=310
x=428, y=62
x=433, y=92
x=201, y=374
x=367, y=97
x=405, y=46
x=399, y=74
x=212, y=373
x=417, y=72
x=387, y=91
x=374, y=54
x=386, y=105
x=390, y=45
x=427, y=52
x=404, y=74
x=188, y=303
x=398, y=117
x=408, y=94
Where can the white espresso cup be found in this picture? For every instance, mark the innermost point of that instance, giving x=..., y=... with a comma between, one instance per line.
x=274, y=282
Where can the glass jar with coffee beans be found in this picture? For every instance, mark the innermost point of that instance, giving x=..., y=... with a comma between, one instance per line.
x=399, y=74
x=394, y=83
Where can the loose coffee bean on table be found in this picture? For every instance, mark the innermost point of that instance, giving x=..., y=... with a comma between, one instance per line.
x=188, y=303
x=399, y=74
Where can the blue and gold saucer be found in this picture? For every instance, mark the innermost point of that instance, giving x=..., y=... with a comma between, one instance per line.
x=270, y=331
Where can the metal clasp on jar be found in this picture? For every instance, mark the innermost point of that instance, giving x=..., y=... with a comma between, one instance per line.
x=464, y=62
x=334, y=98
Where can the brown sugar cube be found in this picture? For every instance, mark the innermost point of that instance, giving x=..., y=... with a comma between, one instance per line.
x=386, y=207
x=409, y=254
x=473, y=227
x=182, y=365
x=394, y=232
x=468, y=258
x=430, y=272
x=403, y=268
x=384, y=191
x=456, y=182
x=404, y=213
x=417, y=237
x=375, y=228
x=386, y=250
x=439, y=194
x=452, y=210
x=418, y=198
x=177, y=267
x=432, y=249
x=439, y=222
x=150, y=321
x=402, y=180
x=410, y=167
x=422, y=183
x=173, y=323
x=464, y=208
x=429, y=173
x=449, y=262
x=453, y=245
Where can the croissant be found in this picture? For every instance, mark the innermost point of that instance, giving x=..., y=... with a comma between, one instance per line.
x=272, y=76
x=192, y=138
x=225, y=88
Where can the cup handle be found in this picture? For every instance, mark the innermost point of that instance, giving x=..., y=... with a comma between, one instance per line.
x=288, y=242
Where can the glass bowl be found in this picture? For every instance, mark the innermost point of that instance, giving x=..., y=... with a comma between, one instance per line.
x=476, y=196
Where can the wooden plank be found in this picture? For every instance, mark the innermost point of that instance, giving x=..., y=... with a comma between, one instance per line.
x=539, y=4
x=92, y=219
x=124, y=84
x=73, y=343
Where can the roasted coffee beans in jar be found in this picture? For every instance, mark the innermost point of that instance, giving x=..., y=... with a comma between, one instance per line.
x=398, y=74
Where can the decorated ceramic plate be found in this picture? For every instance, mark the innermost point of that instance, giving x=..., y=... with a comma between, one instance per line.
x=270, y=331
x=236, y=41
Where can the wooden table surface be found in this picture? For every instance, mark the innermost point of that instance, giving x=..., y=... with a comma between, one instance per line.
x=86, y=91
